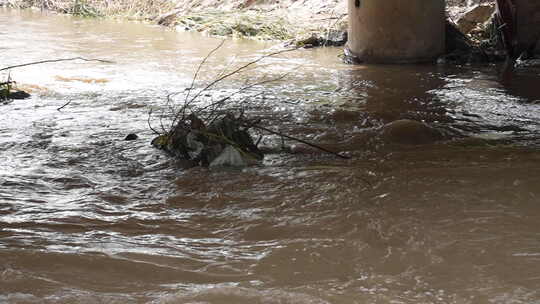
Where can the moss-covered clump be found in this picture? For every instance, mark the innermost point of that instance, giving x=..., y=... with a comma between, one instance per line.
x=83, y=8
x=240, y=24
x=8, y=92
x=224, y=142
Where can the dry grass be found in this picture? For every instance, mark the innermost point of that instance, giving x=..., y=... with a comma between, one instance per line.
x=228, y=18
x=96, y=8
x=239, y=24
x=254, y=19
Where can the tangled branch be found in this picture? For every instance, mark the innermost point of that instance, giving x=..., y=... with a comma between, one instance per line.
x=53, y=60
x=207, y=132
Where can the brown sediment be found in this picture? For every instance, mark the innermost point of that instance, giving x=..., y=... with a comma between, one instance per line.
x=81, y=79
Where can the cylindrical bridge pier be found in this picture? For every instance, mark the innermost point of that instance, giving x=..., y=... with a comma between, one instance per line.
x=396, y=31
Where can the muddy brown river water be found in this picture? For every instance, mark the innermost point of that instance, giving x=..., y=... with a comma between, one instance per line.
x=86, y=217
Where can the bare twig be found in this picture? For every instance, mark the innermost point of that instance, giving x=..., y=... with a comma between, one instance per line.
x=53, y=60
x=226, y=67
x=59, y=109
x=239, y=70
x=150, y=125
x=181, y=113
x=174, y=112
x=243, y=89
x=301, y=141
x=330, y=27
x=199, y=69
x=187, y=101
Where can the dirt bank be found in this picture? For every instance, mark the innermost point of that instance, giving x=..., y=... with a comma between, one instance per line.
x=288, y=19
x=260, y=19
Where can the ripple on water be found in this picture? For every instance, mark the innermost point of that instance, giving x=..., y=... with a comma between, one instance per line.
x=86, y=217
x=231, y=294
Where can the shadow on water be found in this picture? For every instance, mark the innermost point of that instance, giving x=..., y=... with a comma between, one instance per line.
x=466, y=99
x=390, y=92
x=523, y=84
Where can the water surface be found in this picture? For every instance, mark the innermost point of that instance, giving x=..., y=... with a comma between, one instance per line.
x=86, y=217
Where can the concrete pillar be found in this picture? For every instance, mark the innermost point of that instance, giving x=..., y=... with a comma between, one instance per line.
x=396, y=31
x=528, y=23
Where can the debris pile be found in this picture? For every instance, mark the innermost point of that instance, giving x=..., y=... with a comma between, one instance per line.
x=9, y=93
x=225, y=141
x=482, y=33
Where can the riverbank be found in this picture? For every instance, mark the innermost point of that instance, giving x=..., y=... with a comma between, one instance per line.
x=136, y=9
x=263, y=20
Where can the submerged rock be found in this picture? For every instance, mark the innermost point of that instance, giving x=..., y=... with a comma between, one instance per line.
x=455, y=39
x=131, y=136
x=6, y=94
x=410, y=132
x=229, y=157
x=473, y=56
x=460, y=49
x=331, y=38
x=528, y=63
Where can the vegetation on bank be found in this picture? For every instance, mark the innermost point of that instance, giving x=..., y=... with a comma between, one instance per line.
x=267, y=20
x=100, y=8
x=240, y=22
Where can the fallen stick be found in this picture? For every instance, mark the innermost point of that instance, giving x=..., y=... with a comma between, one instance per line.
x=53, y=60
x=301, y=141
x=59, y=109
